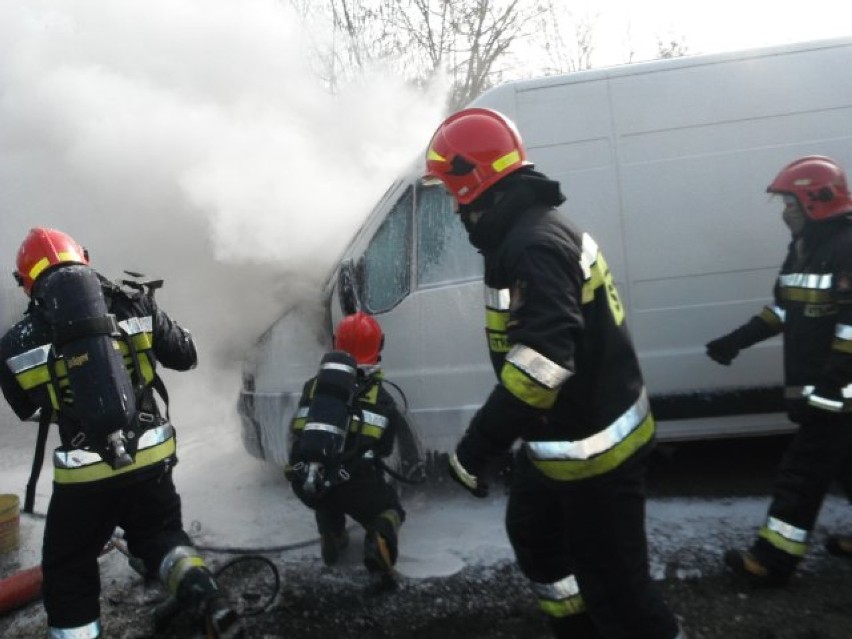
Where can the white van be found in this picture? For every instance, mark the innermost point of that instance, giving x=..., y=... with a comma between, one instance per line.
x=666, y=164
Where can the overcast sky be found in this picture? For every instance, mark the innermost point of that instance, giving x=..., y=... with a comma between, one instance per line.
x=709, y=27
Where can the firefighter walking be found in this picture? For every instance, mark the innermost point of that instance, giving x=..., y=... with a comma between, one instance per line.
x=120, y=473
x=570, y=388
x=812, y=309
x=350, y=480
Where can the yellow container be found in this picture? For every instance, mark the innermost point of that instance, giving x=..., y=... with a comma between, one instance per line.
x=10, y=523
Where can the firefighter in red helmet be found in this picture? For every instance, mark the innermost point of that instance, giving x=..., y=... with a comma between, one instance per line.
x=351, y=480
x=88, y=349
x=570, y=388
x=812, y=309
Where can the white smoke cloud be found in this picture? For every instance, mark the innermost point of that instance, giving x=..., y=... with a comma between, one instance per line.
x=187, y=139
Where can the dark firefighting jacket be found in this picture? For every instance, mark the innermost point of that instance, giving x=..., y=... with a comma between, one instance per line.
x=33, y=376
x=373, y=426
x=813, y=309
x=570, y=383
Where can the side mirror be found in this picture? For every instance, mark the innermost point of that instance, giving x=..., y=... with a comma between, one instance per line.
x=348, y=288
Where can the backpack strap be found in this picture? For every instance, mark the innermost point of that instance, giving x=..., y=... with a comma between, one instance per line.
x=38, y=459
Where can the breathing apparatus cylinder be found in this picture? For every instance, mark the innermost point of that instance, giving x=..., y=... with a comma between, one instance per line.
x=324, y=436
x=84, y=334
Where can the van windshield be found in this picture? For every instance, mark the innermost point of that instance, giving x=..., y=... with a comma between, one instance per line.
x=444, y=254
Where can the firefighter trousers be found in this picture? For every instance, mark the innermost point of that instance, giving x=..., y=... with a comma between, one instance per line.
x=595, y=530
x=818, y=455
x=81, y=519
x=365, y=497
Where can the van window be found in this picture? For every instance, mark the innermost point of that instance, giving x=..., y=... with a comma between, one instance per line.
x=387, y=260
x=443, y=251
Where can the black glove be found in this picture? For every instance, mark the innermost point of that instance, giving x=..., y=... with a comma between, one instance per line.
x=723, y=350
x=467, y=471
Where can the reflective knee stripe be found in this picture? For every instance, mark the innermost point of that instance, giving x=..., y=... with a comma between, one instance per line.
x=89, y=631
x=559, y=599
x=599, y=453
x=531, y=377
x=79, y=466
x=175, y=565
x=785, y=537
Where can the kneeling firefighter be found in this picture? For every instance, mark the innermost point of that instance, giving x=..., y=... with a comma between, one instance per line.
x=85, y=355
x=345, y=424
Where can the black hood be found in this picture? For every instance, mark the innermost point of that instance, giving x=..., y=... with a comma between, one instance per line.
x=501, y=205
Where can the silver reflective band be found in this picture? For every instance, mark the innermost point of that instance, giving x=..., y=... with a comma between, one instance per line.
x=598, y=443
x=806, y=280
x=843, y=331
x=833, y=405
x=562, y=589
x=546, y=372
x=801, y=392
x=498, y=299
x=327, y=428
x=136, y=325
x=77, y=458
x=303, y=411
x=30, y=359
x=786, y=530
x=779, y=312
x=334, y=366
x=174, y=557
x=374, y=419
x=89, y=631
x=588, y=256
x=461, y=472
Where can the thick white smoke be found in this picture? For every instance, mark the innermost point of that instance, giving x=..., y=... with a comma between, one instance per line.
x=187, y=139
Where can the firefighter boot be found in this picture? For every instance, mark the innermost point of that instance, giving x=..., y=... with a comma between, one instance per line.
x=199, y=593
x=839, y=546
x=380, y=549
x=748, y=568
x=331, y=544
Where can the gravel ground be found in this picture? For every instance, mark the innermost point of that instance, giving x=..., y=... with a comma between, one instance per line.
x=491, y=599
x=479, y=602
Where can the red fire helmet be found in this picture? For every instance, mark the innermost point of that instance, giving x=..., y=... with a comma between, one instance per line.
x=361, y=336
x=818, y=183
x=43, y=248
x=474, y=149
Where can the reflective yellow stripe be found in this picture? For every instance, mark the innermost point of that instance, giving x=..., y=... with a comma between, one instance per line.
x=179, y=570
x=573, y=469
x=804, y=295
x=371, y=396
x=102, y=470
x=36, y=270
x=299, y=423
x=795, y=548
x=842, y=346
x=498, y=342
x=571, y=606
x=773, y=316
x=526, y=389
x=433, y=155
x=560, y=598
x=368, y=430
x=496, y=320
x=503, y=163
